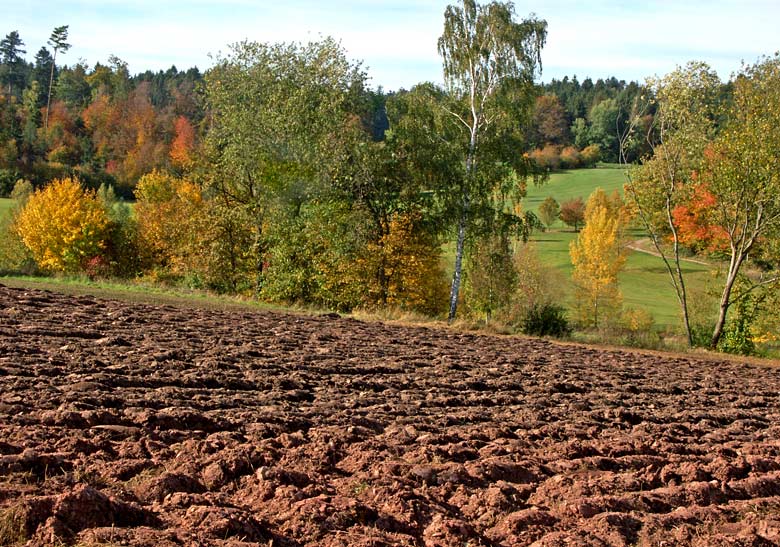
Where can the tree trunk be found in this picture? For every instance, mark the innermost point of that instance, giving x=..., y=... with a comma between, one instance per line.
x=725, y=299
x=456, y=277
x=462, y=222
x=679, y=284
x=48, y=96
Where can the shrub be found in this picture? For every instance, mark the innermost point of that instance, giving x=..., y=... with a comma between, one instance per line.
x=591, y=155
x=548, y=157
x=63, y=226
x=546, y=320
x=571, y=158
x=638, y=327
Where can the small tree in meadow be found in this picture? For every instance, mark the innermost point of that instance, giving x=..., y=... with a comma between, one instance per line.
x=597, y=256
x=549, y=211
x=573, y=213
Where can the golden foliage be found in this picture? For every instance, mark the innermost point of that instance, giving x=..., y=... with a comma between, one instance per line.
x=171, y=214
x=597, y=256
x=406, y=268
x=63, y=225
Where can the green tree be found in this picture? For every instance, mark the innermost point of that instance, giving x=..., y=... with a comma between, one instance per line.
x=742, y=171
x=491, y=277
x=58, y=42
x=490, y=61
x=549, y=211
x=11, y=57
x=603, y=128
x=684, y=123
x=41, y=72
x=282, y=121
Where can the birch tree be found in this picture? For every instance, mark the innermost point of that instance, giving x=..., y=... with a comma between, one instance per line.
x=490, y=61
x=742, y=171
x=683, y=124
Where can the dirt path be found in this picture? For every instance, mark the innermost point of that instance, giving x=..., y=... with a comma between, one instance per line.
x=637, y=246
x=129, y=424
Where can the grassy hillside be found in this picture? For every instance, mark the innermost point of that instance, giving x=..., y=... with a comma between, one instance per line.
x=644, y=281
x=568, y=185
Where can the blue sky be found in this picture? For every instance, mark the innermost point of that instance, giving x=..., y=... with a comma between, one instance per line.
x=396, y=39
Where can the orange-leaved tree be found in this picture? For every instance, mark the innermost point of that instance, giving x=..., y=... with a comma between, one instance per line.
x=63, y=226
x=696, y=226
x=182, y=144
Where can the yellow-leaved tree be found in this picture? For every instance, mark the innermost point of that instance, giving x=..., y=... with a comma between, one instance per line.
x=171, y=216
x=63, y=225
x=598, y=256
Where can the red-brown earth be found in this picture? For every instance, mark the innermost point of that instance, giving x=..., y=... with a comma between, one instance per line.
x=130, y=424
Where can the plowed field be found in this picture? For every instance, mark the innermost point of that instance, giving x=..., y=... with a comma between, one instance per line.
x=130, y=424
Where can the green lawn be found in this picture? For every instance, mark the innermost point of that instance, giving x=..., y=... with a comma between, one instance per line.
x=5, y=206
x=576, y=183
x=644, y=281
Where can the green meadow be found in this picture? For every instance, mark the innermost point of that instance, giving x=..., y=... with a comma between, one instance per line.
x=5, y=206
x=644, y=281
x=572, y=184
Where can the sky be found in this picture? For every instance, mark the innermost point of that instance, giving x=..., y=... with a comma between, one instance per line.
x=396, y=39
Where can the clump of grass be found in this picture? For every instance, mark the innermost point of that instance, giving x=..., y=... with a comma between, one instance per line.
x=13, y=530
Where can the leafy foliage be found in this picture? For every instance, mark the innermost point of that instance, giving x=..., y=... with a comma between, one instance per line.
x=171, y=216
x=549, y=211
x=597, y=256
x=63, y=226
x=573, y=212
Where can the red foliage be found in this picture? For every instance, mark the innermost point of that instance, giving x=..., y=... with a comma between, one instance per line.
x=695, y=222
x=183, y=143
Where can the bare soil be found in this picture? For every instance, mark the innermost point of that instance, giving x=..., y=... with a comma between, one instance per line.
x=140, y=425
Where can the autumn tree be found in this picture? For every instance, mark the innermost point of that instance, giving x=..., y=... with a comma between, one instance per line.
x=171, y=216
x=549, y=211
x=597, y=256
x=58, y=42
x=741, y=170
x=63, y=226
x=183, y=143
x=683, y=125
x=573, y=213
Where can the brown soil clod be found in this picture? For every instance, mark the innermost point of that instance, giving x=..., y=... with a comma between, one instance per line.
x=137, y=425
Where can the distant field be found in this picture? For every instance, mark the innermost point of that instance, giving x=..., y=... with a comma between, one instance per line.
x=576, y=183
x=644, y=281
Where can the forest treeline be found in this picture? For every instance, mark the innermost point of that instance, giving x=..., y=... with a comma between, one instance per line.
x=107, y=126
x=280, y=173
